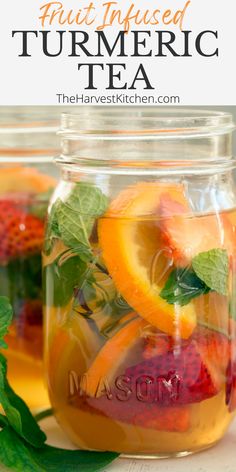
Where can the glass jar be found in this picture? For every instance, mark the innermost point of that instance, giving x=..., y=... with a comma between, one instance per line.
x=28, y=142
x=139, y=277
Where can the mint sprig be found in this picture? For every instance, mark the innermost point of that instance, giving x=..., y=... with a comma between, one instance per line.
x=73, y=218
x=61, y=277
x=209, y=271
x=22, y=442
x=18, y=456
x=18, y=414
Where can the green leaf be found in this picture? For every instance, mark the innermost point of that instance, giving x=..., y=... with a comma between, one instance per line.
x=3, y=421
x=212, y=267
x=52, y=229
x=14, y=453
x=76, y=215
x=43, y=414
x=6, y=315
x=17, y=412
x=62, y=277
x=183, y=285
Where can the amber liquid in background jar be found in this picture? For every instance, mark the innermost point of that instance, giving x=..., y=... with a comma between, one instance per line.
x=139, y=276
x=24, y=193
x=28, y=142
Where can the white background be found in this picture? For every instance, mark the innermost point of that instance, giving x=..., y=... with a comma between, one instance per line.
x=198, y=81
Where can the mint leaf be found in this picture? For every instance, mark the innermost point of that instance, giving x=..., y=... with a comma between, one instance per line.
x=76, y=215
x=3, y=421
x=63, y=276
x=17, y=412
x=212, y=267
x=6, y=315
x=19, y=456
x=183, y=285
x=72, y=220
x=52, y=229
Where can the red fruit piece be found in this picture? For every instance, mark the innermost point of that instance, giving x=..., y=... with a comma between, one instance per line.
x=30, y=314
x=21, y=234
x=29, y=328
x=137, y=413
x=231, y=386
x=180, y=376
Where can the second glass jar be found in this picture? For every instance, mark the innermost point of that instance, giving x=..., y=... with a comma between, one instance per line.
x=28, y=142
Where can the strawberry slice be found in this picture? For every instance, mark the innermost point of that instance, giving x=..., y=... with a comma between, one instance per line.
x=231, y=386
x=187, y=234
x=145, y=415
x=181, y=376
x=21, y=234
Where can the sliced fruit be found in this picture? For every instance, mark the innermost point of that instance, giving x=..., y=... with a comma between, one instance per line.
x=25, y=179
x=172, y=419
x=110, y=357
x=21, y=234
x=150, y=416
x=181, y=376
x=187, y=235
x=231, y=386
x=130, y=239
x=26, y=331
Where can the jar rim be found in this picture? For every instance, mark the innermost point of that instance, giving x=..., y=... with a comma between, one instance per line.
x=29, y=134
x=142, y=122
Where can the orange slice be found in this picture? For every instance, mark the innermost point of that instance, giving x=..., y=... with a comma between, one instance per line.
x=187, y=235
x=24, y=179
x=110, y=356
x=130, y=239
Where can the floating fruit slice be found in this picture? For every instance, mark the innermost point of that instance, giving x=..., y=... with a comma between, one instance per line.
x=136, y=413
x=179, y=377
x=110, y=356
x=25, y=179
x=187, y=235
x=130, y=239
x=231, y=386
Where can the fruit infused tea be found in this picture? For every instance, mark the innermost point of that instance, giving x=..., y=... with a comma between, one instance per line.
x=140, y=318
x=24, y=194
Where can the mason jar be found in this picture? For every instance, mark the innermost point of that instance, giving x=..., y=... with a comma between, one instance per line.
x=139, y=281
x=28, y=142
